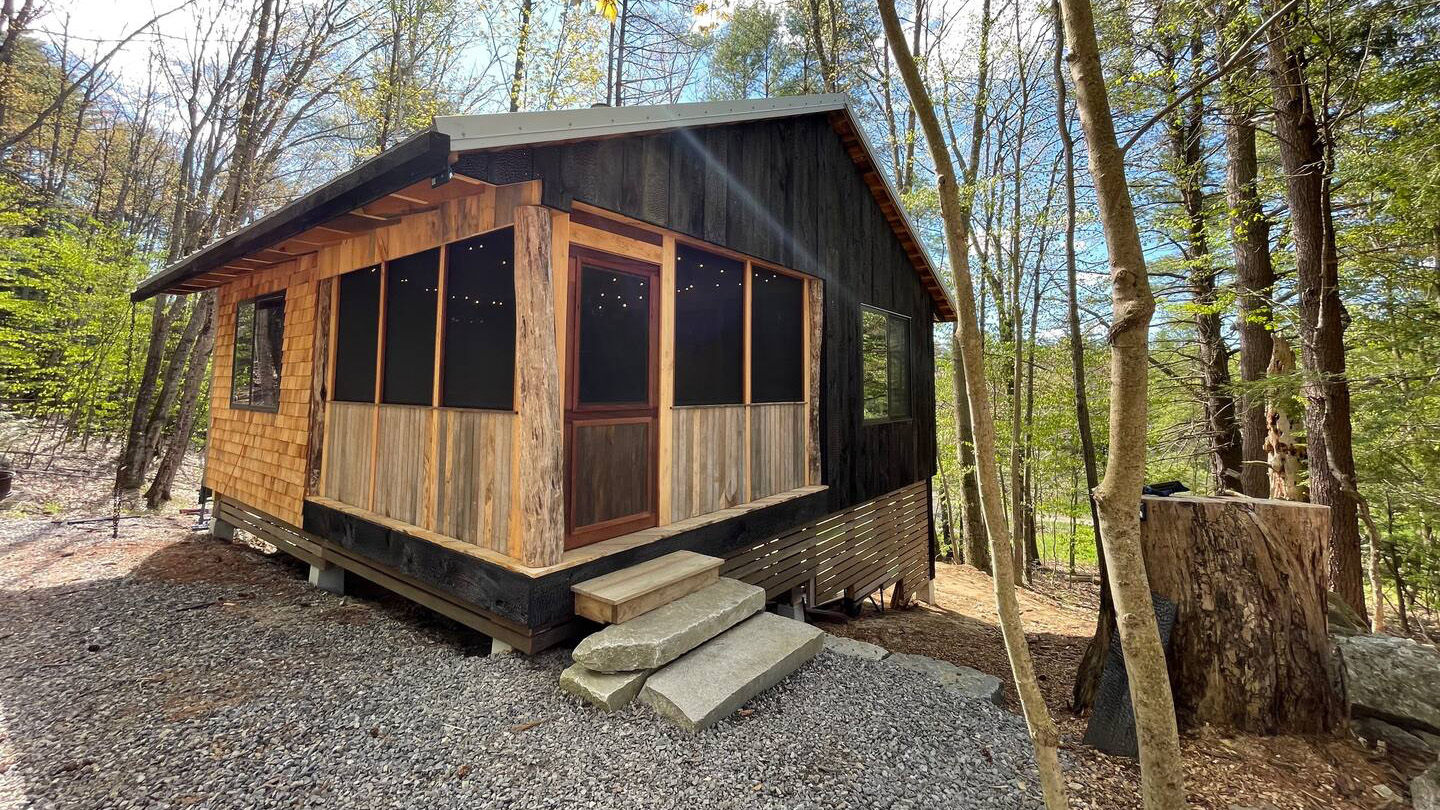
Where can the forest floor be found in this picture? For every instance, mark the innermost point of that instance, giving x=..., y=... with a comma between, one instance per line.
x=1221, y=771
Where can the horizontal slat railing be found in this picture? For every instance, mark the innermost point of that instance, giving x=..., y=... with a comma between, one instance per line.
x=848, y=554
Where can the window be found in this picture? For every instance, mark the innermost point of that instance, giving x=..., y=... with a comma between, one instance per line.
x=478, y=360
x=259, y=342
x=777, y=339
x=709, y=328
x=357, y=330
x=885, y=378
x=409, y=364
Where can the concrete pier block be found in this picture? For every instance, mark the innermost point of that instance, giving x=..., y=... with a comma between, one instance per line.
x=328, y=578
x=499, y=648
x=220, y=530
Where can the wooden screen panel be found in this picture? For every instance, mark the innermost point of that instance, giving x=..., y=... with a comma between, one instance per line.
x=777, y=448
x=708, y=452
x=845, y=554
x=400, y=462
x=349, y=431
x=473, y=476
x=616, y=459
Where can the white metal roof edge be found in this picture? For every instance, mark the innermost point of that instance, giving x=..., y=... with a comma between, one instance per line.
x=499, y=130
x=496, y=130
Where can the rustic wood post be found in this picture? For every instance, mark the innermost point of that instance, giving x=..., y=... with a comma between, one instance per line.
x=1250, y=649
x=537, y=516
x=319, y=383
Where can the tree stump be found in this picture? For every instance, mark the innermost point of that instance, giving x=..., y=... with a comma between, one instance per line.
x=1248, y=577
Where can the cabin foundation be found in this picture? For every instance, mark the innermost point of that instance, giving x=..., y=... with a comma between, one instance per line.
x=328, y=577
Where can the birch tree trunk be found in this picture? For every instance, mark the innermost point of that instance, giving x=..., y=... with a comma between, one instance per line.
x=956, y=214
x=1118, y=496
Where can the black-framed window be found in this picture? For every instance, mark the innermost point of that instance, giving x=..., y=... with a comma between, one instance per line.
x=259, y=346
x=357, y=335
x=411, y=284
x=777, y=337
x=709, y=328
x=884, y=364
x=478, y=357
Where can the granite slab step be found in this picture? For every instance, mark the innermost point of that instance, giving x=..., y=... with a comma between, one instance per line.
x=668, y=632
x=620, y=596
x=717, y=678
x=607, y=690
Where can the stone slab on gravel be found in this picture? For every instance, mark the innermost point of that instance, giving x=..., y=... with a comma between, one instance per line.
x=1425, y=789
x=666, y=633
x=607, y=690
x=1394, y=679
x=971, y=683
x=859, y=649
x=713, y=680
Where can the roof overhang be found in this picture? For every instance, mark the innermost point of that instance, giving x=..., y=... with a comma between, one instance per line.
x=421, y=156
x=427, y=155
x=470, y=133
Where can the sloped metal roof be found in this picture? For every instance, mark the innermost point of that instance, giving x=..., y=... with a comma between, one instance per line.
x=426, y=154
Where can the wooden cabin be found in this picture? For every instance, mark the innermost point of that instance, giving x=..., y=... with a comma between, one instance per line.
x=519, y=351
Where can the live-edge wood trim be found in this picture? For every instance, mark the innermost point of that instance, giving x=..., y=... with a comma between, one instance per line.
x=666, y=416
x=319, y=385
x=537, y=510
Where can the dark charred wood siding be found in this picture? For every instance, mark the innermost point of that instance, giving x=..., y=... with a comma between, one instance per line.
x=786, y=192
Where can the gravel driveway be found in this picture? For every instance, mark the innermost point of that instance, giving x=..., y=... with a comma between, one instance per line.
x=171, y=672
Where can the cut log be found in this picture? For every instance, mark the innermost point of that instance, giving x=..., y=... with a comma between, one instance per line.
x=1250, y=649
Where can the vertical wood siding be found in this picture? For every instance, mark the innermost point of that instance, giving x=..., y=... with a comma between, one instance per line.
x=708, y=452
x=785, y=192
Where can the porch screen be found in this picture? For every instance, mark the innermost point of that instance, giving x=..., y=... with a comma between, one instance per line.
x=478, y=361
x=885, y=375
x=777, y=338
x=709, y=328
x=259, y=339
x=357, y=324
x=409, y=365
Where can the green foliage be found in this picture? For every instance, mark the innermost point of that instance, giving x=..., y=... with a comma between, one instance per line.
x=65, y=314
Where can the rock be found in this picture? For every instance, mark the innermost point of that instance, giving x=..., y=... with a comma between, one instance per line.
x=608, y=690
x=1342, y=618
x=857, y=649
x=969, y=682
x=656, y=638
x=1375, y=730
x=1394, y=679
x=1388, y=797
x=1425, y=790
x=713, y=680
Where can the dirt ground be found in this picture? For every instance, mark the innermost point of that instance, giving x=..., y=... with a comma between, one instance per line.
x=1221, y=772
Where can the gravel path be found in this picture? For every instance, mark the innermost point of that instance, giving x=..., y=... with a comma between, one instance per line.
x=200, y=674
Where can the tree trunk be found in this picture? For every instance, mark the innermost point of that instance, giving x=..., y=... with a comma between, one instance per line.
x=956, y=215
x=1087, y=676
x=522, y=47
x=972, y=527
x=1282, y=453
x=1118, y=496
x=1254, y=271
x=179, y=440
x=1322, y=321
x=1250, y=649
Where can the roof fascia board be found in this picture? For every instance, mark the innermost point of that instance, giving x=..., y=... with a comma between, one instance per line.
x=422, y=155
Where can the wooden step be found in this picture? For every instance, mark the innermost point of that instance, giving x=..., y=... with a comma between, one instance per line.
x=622, y=595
